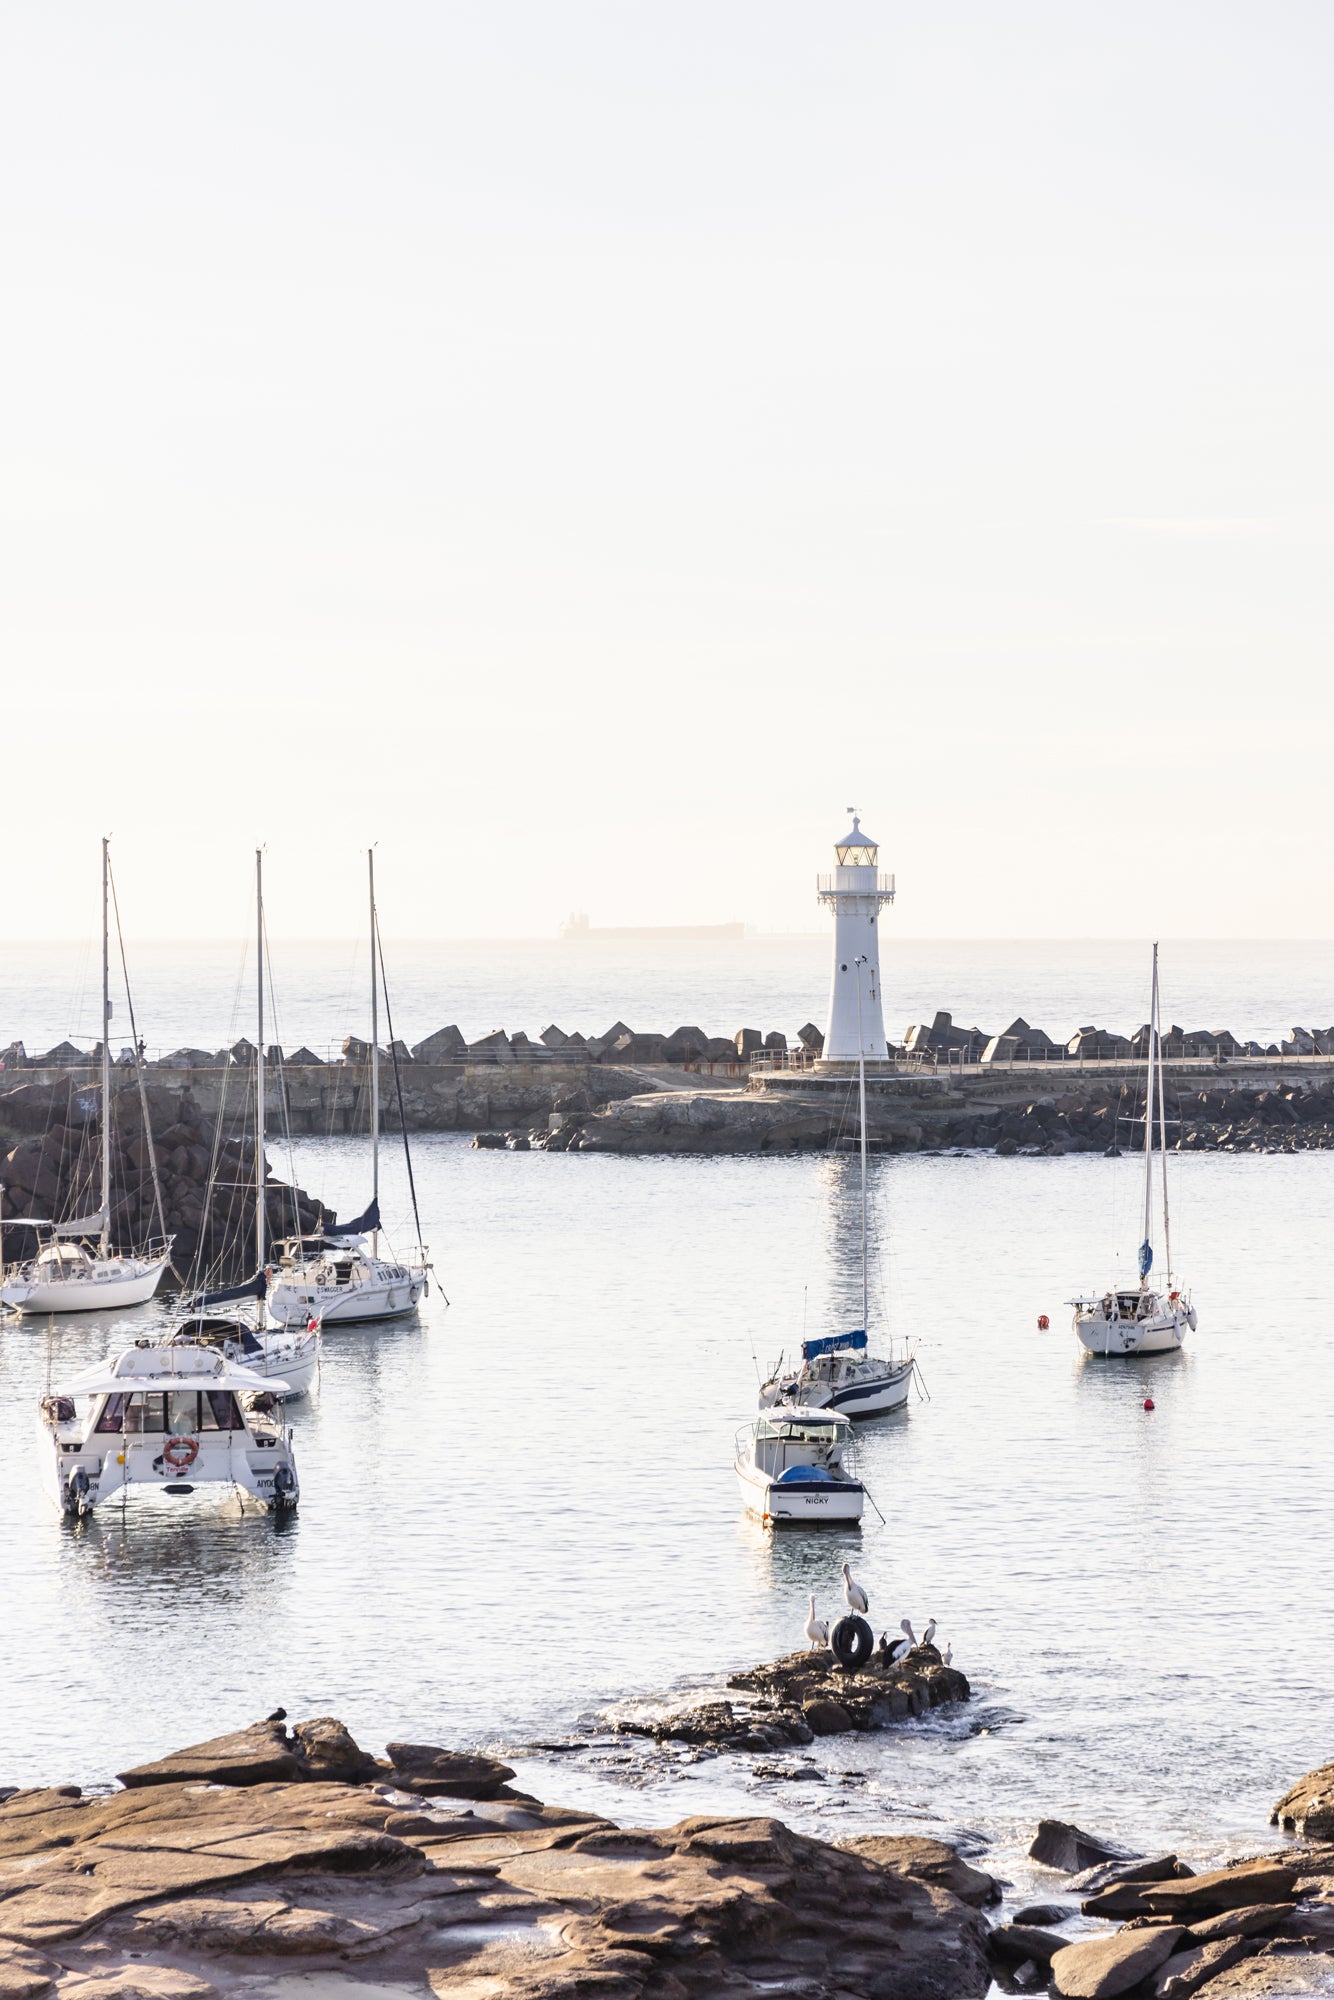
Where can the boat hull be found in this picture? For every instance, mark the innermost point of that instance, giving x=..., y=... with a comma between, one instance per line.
x=94, y=1293
x=1115, y=1339
x=783, y=1503
x=224, y=1462
x=345, y=1305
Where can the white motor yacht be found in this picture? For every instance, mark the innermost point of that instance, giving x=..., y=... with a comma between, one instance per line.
x=76, y=1269
x=837, y=1372
x=1151, y=1318
x=338, y=1278
x=165, y=1418
x=789, y=1464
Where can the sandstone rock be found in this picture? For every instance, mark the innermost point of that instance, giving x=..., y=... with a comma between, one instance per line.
x=1104, y=1967
x=1250, y=1921
x=1058, y=1843
x=446, y=1774
x=136, y=1982
x=1309, y=1807
x=1223, y=1889
x=259, y=1755
x=1018, y=1942
x=827, y=1718
x=1187, y=1970
x=1043, y=1914
x=1271, y=1976
x=23, y=1974
x=327, y=1750
x=928, y=1861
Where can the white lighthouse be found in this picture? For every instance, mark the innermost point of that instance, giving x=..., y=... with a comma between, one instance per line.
x=856, y=892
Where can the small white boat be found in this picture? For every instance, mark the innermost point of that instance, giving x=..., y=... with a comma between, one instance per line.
x=76, y=1270
x=1150, y=1319
x=288, y=1360
x=789, y=1465
x=837, y=1372
x=72, y=1277
x=164, y=1418
x=337, y=1278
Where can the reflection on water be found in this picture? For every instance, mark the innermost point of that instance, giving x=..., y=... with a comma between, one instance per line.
x=523, y=1508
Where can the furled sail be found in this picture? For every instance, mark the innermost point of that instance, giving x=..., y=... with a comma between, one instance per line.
x=1145, y=1258
x=254, y=1288
x=831, y=1345
x=84, y=1225
x=358, y=1226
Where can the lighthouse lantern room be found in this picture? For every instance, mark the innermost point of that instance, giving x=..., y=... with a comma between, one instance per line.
x=856, y=892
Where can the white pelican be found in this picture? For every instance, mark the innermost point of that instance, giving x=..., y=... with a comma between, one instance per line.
x=901, y=1647
x=928, y=1636
x=853, y=1595
x=817, y=1629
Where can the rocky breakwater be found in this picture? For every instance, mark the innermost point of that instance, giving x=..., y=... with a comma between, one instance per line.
x=52, y=1164
x=801, y=1696
x=269, y=1852
x=913, y=1115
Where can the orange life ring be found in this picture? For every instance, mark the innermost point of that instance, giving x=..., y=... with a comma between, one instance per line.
x=180, y=1452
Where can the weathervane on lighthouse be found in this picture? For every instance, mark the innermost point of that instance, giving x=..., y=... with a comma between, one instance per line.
x=856, y=892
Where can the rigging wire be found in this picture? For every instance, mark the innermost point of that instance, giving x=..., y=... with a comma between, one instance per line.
x=139, y=1074
x=398, y=1088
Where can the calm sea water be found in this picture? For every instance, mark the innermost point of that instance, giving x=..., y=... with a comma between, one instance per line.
x=202, y=995
x=521, y=1510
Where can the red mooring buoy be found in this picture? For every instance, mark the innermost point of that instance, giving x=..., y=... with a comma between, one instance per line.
x=1148, y=1402
x=1043, y=1322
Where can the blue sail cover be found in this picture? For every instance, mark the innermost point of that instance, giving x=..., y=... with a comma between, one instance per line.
x=253, y=1288
x=359, y=1225
x=1145, y=1258
x=810, y=1348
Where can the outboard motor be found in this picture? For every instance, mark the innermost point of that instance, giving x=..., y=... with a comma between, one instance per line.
x=76, y=1492
x=284, y=1486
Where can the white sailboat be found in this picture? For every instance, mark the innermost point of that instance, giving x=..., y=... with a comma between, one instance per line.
x=286, y=1357
x=337, y=1278
x=1152, y=1318
x=838, y=1372
x=75, y=1268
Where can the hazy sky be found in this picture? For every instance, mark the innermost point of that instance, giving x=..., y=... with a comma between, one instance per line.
x=582, y=447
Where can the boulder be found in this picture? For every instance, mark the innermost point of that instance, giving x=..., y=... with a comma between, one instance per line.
x=1060, y=1844
x=825, y=1717
x=1309, y=1807
x=1253, y=1920
x=327, y=1751
x=1106, y=1966
x=445, y=1045
x=446, y=1774
x=1185, y=1971
x=929, y=1861
x=1250, y=1882
x=259, y=1755
x=1043, y=1914
x=1017, y=1942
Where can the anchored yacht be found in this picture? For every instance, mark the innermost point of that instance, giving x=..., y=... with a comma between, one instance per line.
x=789, y=1465
x=337, y=1278
x=165, y=1418
x=75, y=1269
x=1152, y=1318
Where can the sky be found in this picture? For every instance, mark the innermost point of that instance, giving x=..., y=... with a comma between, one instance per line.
x=583, y=447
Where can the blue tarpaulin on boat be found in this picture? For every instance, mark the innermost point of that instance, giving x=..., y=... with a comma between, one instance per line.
x=810, y=1348
x=1145, y=1258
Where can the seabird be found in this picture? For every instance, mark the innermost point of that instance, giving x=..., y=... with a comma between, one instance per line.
x=853, y=1595
x=817, y=1629
x=928, y=1637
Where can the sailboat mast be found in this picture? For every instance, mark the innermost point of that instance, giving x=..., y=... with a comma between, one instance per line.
x=1148, y=1122
x=375, y=1058
x=861, y=1122
x=260, y=1218
x=106, y=1055
x=1162, y=1121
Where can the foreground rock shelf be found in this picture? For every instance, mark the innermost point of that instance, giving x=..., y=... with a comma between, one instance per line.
x=251, y=1856
x=235, y=1862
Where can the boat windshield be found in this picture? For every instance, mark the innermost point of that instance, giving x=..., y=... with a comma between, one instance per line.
x=806, y=1431
x=171, y=1412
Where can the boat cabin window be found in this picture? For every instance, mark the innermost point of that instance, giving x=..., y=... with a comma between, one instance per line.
x=172, y=1412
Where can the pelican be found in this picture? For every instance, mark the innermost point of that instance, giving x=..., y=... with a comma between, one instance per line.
x=905, y=1626
x=853, y=1595
x=903, y=1647
x=817, y=1629
x=928, y=1636
x=948, y=1655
